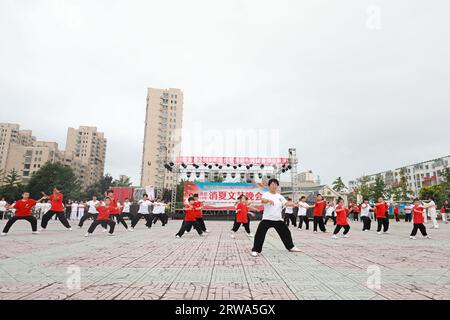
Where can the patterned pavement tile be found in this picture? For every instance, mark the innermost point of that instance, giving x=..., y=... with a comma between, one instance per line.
x=153, y=264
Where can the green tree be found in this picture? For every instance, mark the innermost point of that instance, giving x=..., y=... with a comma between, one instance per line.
x=338, y=185
x=123, y=181
x=106, y=183
x=52, y=175
x=405, y=192
x=12, y=186
x=363, y=187
x=378, y=189
x=438, y=192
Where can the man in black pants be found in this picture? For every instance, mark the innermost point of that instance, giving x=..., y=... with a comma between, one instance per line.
x=103, y=218
x=289, y=213
x=57, y=208
x=190, y=220
x=302, y=213
x=92, y=211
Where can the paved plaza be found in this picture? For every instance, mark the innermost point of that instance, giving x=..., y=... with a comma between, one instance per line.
x=153, y=264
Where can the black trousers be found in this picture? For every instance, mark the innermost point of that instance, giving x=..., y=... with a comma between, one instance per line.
x=280, y=227
x=355, y=216
x=61, y=217
x=237, y=225
x=148, y=218
x=161, y=217
x=397, y=218
x=86, y=216
x=339, y=227
x=383, y=223
x=304, y=219
x=32, y=220
x=408, y=217
x=421, y=227
x=119, y=219
x=103, y=223
x=189, y=224
x=290, y=217
x=201, y=222
x=330, y=217
x=367, y=223
x=318, y=221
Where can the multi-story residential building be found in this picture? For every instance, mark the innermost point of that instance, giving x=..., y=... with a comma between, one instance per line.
x=418, y=175
x=162, y=136
x=88, y=146
x=20, y=151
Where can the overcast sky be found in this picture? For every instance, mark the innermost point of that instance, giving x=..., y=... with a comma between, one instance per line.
x=356, y=86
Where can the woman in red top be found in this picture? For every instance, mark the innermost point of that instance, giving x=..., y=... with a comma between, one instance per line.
x=56, y=200
x=115, y=209
x=23, y=212
x=396, y=213
x=319, y=207
x=380, y=214
x=418, y=221
x=190, y=219
x=103, y=218
x=341, y=219
x=242, y=211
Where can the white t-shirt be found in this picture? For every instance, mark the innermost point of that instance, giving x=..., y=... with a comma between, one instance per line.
x=159, y=208
x=272, y=212
x=81, y=208
x=126, y=207
x=365, y=212
x=289, y=210
x=303, y=208
x=143, y=206
x=92, y=204
x=74, y=207
x=329, y=211
x=2, y=205
x=46, y=207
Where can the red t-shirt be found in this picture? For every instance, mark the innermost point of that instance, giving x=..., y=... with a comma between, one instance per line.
x=318, y=209
x=23, y=207
x=103, y=212
x=242, y=214
x=356, y=209
x=418, y=215
x=380, y=210
x=190, y=214
x=198, y=211
x=57, y=202
x=341, y=216
x=396, y=211
x=114, y=207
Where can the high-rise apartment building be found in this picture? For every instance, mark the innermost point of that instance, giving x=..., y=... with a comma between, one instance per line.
x=162, y=136
x=88, y=146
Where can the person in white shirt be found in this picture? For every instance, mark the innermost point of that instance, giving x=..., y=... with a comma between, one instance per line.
x=302, y=213
x=74, y=211
x=272, y=218
x=430, y=206
x=81, y=210
x=143, y=211
x=289, y=213
x=91, y=212
x=408, y=212
x=3, y=205
x=365, y=215
x=329, y=213
x=126, y=211
x=159, y=212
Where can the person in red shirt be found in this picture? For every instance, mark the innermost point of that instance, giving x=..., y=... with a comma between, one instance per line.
x=355, y=210
x=115, y=209
x=341, y=219
x=319, y=207
x=23, y=212
x=190, y=219
x=103, y=218
x=198, y=205
x=242, y=212
x=397, y=213
x=56, y=200
x=380, y=214
x=418, y=221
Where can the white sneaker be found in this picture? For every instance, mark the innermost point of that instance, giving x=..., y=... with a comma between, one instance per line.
x=105, y=230
x=3, y=234
x=35, y=232
x=250, y=234
x=254, y=254
x=345, y=236
x=379, y=232
x=111, y=234
x=295, y=249
x=177, y=236
x=79, y=227
x=130, y=229
x=315, y=231
x=87, y=235
x=412, y=238
x=206, y=231
x=334, y=237
x=69, y=229
x=233, y=236
x=427, y=237
x=42, y=229
x=300, y=229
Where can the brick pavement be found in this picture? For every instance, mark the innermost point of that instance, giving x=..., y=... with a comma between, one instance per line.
x=153, y=264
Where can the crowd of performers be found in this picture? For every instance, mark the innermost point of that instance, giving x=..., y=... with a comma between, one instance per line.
x=109, y=212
